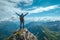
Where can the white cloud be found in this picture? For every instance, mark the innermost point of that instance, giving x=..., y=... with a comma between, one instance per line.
x=8, y=9
x=42, y=9
x=27, y=2
x=45, y=18
x=35, y=19
x=14, y=18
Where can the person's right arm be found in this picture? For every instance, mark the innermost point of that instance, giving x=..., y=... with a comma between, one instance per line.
x=18, y=14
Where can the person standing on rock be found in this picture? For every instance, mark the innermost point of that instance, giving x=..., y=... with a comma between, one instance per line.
x=21, y=19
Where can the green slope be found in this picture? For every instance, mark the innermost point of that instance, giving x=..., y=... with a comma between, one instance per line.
x=52, y=35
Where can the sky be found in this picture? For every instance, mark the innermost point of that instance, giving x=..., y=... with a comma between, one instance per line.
x=39, y=10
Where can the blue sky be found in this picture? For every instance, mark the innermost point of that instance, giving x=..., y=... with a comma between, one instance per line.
x=38, y=9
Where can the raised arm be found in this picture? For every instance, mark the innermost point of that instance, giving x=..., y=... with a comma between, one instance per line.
x=18, y=14
x=25, y=14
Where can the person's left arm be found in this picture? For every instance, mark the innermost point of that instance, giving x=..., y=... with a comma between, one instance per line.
x=25, y=14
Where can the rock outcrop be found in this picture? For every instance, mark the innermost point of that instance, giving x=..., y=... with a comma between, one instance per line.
x=22, y=34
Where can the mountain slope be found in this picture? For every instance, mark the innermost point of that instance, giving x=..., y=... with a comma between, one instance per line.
x=52, y=27
x=35, y=28
x=6, y=28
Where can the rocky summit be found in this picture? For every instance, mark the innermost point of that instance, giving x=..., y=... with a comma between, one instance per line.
x=22, y=34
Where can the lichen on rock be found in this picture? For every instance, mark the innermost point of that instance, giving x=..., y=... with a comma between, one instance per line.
x=22, y=34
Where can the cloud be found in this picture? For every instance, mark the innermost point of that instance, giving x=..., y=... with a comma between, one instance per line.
x=13, y=19
x=26, y=2
x=44, y=18
x=9, y=7
x=35, y=19
x=42, y=9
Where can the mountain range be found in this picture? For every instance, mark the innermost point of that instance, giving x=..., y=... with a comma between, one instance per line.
x=37, y=28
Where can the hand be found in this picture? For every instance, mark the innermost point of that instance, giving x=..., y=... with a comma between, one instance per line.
x=16, y=13
x=27, y=12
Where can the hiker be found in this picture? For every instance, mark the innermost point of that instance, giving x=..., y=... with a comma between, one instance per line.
x=21, y=19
